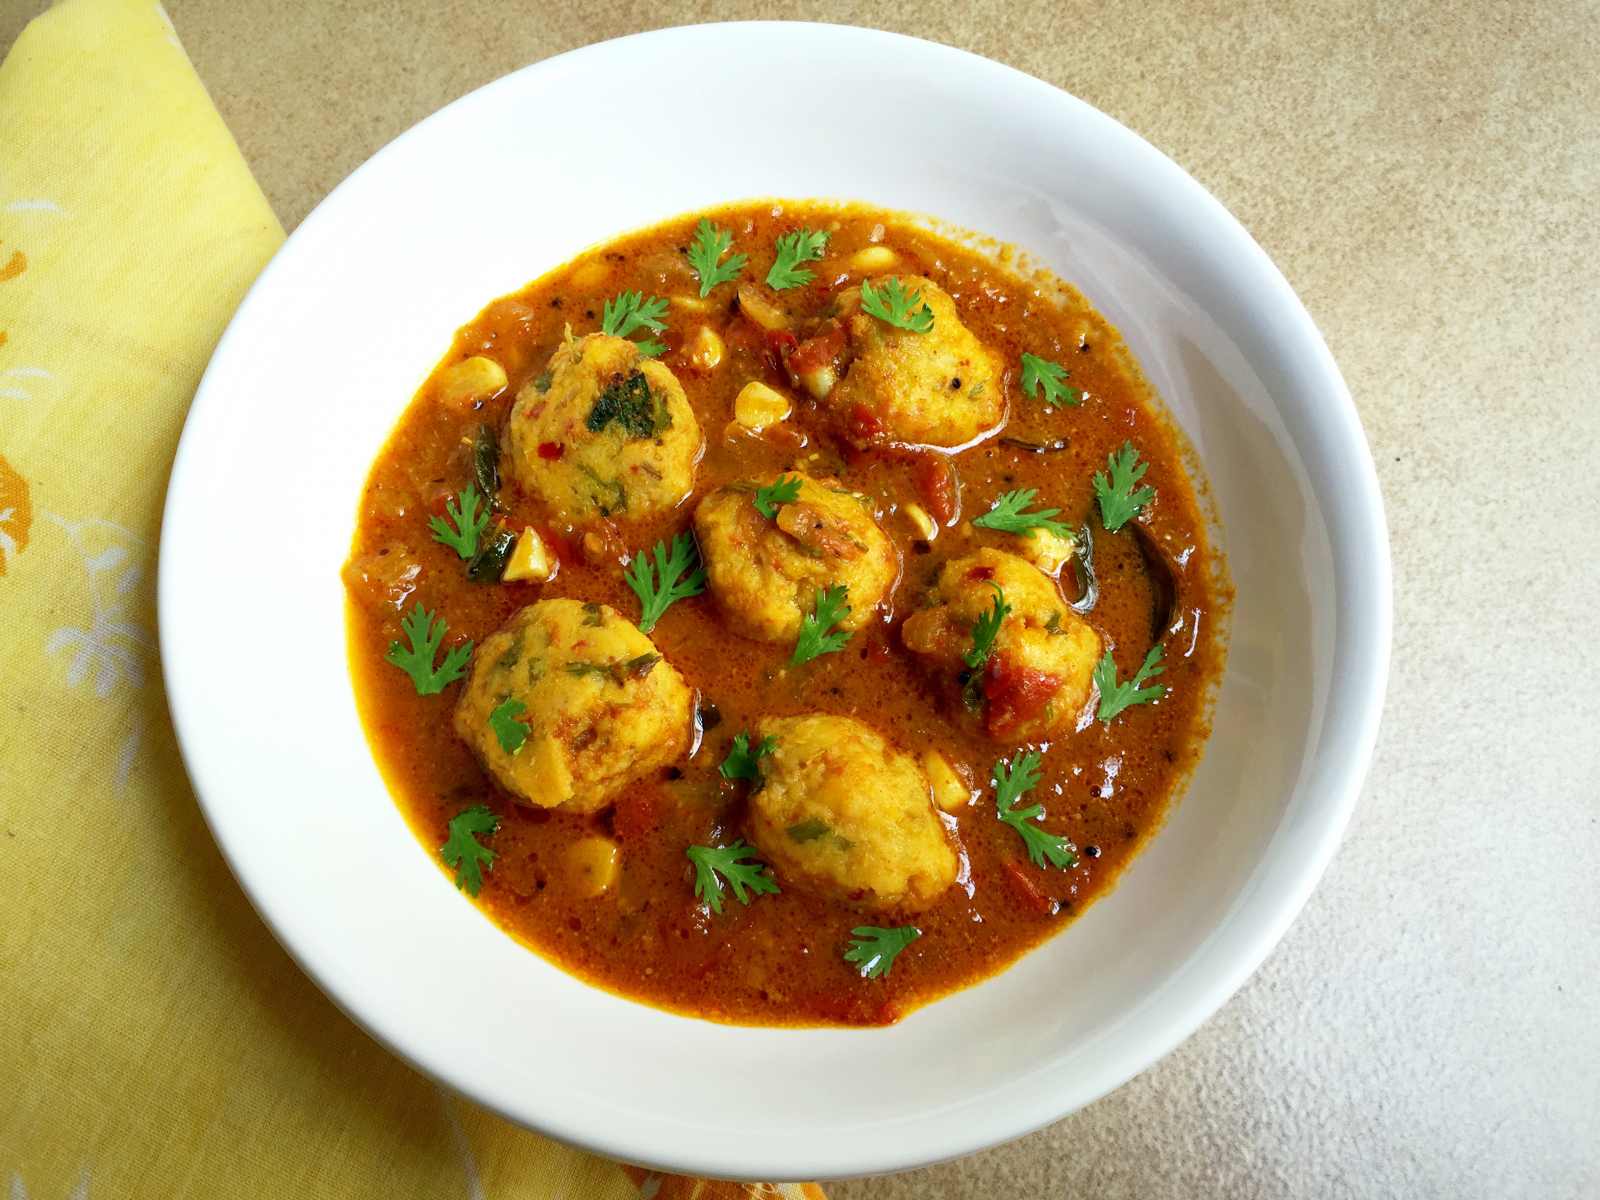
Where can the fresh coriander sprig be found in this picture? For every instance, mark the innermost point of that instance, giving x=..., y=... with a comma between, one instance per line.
x=470, y=519
x=814, y=639
x=746, y=874
x=1119, y=501
x=1114, y=696
x=631, y=311
x=709, y=245
x=743, y=761
x=893, y=305
x=464, y=852
x=785, y=489
x=425, y=635
x=509, y=729
x=874, y=950
x=1040, y=373
x=987, y=629
x=1013, y=778
x=801, y=246
x=677, y=576
x=1009, y=514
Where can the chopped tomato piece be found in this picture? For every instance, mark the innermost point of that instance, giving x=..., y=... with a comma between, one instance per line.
x=939, y=487
x=1016, y=694
x=782, y=343
x=551, y=450
x=1029, y=891
x=865, y=425
x=817, y=351
x=981, y=573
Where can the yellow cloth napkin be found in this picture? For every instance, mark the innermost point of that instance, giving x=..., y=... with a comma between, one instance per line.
x=154, y=1039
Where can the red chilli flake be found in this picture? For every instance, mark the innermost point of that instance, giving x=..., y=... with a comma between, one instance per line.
x=551, y=450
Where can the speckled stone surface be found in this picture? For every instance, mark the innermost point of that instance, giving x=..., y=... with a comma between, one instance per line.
x=1428, y=177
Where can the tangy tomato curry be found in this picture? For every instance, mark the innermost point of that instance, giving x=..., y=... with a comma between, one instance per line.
x=785, y=615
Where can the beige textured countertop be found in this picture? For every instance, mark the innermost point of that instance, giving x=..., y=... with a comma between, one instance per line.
x=1427, y=176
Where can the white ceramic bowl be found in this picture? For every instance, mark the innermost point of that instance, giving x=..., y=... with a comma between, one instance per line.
x=512, y=180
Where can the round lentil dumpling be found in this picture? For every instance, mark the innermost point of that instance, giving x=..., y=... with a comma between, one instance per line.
x=605, y=432
x=1040, y=673
x=765, y=571
x=841, y=811
x=600, y=707
x=942, y=388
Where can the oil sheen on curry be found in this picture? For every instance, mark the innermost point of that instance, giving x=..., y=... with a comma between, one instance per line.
x=785, y=615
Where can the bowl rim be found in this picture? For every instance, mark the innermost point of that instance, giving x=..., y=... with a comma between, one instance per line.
x=1357, y=532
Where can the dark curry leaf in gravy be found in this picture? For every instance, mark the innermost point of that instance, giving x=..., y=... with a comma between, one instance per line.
x=486, y=462
x=489, y=563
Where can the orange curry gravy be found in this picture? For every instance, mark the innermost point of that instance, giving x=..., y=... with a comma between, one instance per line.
x=779, y=960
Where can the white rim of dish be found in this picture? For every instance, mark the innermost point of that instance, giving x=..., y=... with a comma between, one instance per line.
x=1360, y=548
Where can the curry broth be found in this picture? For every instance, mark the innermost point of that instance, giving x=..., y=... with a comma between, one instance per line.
x=779, y=960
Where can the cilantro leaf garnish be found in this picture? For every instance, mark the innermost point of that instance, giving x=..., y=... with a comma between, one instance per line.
x=801, y=246
x=425, y=635
x=469, y=521
x=1119, y=502
x=710, y=244
x=1040, y=373
x=508, y=730
x=464, y=852
x=874, y=950
x=1013, y=778
x=1114, y=696
x=677, y=576
x=893, y=305
x=743, y=762
x=986, y=629
x=631, y=311
x=785, y=489
x=1009, y=514
x=737, y=863
x=814, y=639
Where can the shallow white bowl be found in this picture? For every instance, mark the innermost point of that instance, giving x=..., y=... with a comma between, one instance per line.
x=514, y=179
